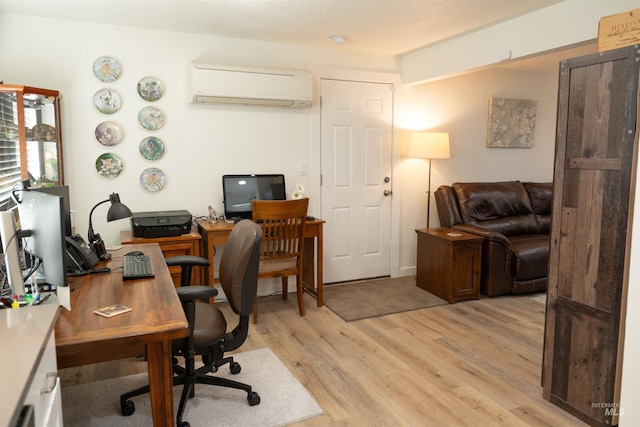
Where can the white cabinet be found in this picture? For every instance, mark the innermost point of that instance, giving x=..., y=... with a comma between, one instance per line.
x=44, y=393
x=29, y=370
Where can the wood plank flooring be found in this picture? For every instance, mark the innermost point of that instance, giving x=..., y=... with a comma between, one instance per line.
x=474, y=363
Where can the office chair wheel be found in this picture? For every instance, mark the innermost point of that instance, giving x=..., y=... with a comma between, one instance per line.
x=253, y=398
x=127, y=408
x=235, y=368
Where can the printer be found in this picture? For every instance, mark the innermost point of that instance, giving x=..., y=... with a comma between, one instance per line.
x=160, y=224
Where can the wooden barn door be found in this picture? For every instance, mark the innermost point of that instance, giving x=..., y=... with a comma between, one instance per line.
x=593, y=188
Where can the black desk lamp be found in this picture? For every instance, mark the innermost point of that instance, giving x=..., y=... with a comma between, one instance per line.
x=117, y=210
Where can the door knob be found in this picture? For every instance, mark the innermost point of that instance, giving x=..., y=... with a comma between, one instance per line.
x=387, y=193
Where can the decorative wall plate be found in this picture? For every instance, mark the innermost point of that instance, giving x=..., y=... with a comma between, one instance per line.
x=151, y=118
x=109, y=133
x=43, y=132
x=106, y=69
x=107, y=101
x=150, y=88
x=152, y=179
x=152, y=148
x=109, y=165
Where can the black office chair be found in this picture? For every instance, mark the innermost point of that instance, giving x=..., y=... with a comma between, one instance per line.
x=208, y=335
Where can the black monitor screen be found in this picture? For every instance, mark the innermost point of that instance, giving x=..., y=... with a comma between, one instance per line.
x=240, y=190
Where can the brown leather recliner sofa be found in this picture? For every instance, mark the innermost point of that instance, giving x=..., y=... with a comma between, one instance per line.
x=515, y=219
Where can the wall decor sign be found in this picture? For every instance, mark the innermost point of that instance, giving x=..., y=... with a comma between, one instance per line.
x=152, y=179
x=107, y=69
x=109, y=133
x=151, y=148
x=107, y=101
x=150, y=89
x=512, y=123
x=109, y=165
x=151, y=118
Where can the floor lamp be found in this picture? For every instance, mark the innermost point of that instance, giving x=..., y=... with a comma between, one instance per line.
x=429, y=145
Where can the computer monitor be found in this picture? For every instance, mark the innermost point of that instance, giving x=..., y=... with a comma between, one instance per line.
x=41, y=219
x=62, y=191
x=12, y=261
x=240, y=190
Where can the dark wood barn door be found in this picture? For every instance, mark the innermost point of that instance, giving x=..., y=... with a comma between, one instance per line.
x=593, y=187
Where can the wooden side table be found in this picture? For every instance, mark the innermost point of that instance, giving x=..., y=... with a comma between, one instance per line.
x=449, y=263
x=185, y=244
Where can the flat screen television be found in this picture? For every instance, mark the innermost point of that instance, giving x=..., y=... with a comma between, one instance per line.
x=240, y=190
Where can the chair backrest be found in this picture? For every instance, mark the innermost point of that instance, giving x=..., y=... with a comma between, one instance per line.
x=282, y=223
x=239, y=266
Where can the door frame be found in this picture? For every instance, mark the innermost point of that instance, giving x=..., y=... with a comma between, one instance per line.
x=316, y=145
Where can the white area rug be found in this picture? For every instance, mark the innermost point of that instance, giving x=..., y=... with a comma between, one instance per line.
x=283, y=399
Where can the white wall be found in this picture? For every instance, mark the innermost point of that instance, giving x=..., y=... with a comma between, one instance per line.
x=459, y=105
x=203, y=142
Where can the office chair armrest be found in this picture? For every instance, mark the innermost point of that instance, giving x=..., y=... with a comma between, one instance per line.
x=187, y=260
x=192, y=293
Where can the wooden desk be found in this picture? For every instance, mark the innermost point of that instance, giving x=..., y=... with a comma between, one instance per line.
x=83, y=337
x=184, y=244
x=217, y=233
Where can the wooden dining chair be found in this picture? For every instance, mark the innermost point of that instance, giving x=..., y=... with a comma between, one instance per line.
x=282, y=223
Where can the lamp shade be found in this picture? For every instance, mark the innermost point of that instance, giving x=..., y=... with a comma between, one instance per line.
x=117, y=210
x=429, y=145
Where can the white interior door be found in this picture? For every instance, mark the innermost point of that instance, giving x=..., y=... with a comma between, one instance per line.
x=356, y=137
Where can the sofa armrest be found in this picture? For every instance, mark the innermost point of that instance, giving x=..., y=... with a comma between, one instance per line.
x=487, y=234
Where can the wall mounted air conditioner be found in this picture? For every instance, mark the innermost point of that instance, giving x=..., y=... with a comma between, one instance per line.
x=211, y=84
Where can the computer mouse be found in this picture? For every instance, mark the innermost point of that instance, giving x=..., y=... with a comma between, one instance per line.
x=134, y=253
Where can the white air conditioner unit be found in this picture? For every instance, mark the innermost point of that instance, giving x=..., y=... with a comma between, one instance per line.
x=211, y=84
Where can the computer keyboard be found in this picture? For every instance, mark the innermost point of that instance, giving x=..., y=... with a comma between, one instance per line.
x=136, y=266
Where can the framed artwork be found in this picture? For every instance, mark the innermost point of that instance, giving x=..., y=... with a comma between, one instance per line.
x=512, y=123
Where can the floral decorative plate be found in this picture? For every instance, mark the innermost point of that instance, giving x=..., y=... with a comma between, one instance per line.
x=42, y=132
x=109, y=133
x=109, y=165
x=151, y=118
x=152, y=148
x=107, y=101
x=152, y=179
x=150, y=88
x=106, y=69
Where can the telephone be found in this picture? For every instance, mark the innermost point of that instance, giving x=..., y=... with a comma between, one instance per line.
x=78, y=255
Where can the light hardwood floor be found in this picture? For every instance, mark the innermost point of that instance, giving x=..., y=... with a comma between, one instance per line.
x=474, y=363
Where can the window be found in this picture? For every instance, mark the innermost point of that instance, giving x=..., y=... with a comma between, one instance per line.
x=10, y=174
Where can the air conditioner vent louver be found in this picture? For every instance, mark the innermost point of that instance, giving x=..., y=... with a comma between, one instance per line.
x=212, y=84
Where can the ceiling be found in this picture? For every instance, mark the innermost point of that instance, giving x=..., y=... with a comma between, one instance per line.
x=383, y=27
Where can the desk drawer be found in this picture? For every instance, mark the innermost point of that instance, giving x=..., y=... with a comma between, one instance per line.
x=44, y=394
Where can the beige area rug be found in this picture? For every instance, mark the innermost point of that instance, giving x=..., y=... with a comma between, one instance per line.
x=377, y=297
x=283, y=399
